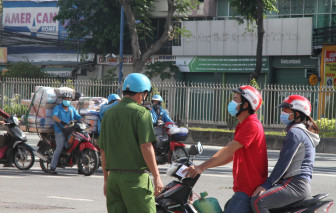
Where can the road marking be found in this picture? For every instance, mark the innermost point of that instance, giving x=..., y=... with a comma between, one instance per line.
x=96, y=176
x=10, y=177
x=58, y=177
x=217, y=175
x=69, y=198
x=326, y=175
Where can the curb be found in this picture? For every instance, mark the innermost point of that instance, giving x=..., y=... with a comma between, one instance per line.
x=326, y=145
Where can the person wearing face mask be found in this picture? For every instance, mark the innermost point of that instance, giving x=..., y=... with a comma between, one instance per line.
x=62, y=114
x=159, y=115
x=247, y=150
x=113, y=99
x=127, y=153
x=290, y=179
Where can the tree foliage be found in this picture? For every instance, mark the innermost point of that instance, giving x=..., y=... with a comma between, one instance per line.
x=98, y=21
x=177, y=11
x=163, y=70
x=25, y=70
x=254, y=11
x=249, y=10
x=95, y=21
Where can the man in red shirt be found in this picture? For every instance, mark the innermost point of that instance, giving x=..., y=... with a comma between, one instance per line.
x=247, y=150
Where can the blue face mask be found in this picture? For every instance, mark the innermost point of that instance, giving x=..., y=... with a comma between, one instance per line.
x=284, y=118
x=232, y=108
x=66, y=103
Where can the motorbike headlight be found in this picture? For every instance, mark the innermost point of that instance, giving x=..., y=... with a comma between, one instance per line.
x=16, y=121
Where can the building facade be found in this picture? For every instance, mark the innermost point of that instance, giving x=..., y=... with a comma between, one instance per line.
x=221, y=50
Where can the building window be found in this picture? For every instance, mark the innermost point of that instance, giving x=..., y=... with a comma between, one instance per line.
x=177, y=37
x=297, y=7
x=323, y=6
x=284, y=7
x=222, y=8
x=333, y=20
x=323, y=12
x=333, y=6
x=310, y=6
x=323, y=20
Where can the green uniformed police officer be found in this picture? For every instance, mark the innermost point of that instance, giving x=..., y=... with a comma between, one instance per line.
x=127, y=152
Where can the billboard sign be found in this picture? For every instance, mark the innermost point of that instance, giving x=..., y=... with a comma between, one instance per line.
x=224, y=64
x=32, y=18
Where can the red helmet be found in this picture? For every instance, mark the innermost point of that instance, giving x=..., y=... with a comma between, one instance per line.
x=297, y=102
x=251, y=94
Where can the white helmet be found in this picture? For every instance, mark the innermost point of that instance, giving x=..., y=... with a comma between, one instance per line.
x=251, y=94
x=297, y=102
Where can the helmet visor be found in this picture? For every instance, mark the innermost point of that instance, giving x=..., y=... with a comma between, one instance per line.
x=285, y=105
x=239, y=90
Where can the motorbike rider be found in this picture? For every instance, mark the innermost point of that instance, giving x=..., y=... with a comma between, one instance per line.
x=289, y=181
x=247, y=150
x=62, y=114
x=8, y=151
x=113, y=99
x=159, y=114
x=127, y=152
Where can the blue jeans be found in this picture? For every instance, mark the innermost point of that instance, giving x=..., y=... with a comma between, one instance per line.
x=239, y=202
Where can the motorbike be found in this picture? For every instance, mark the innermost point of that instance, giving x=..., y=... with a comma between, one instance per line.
x=168, y=147
x=94, y=140
x=177, y=195
x=15, y=147
x=80, y=150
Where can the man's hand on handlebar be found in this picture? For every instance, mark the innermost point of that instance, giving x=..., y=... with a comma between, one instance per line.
x=2, y=123
x=65, y=125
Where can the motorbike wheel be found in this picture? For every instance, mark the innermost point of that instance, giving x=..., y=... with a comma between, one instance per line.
x=45, y=165
x=24, y=158
x=88, y=162
x=178, y=153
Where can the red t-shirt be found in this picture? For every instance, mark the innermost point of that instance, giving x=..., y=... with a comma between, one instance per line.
x=250, y=166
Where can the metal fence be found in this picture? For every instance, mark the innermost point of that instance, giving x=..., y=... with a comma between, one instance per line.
x=190, y=104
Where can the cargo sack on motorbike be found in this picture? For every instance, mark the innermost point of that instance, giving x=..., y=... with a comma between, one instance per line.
x=176, y=133
x=180, y=136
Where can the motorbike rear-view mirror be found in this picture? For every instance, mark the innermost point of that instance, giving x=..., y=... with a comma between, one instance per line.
x=196, y=149
x=199, y=147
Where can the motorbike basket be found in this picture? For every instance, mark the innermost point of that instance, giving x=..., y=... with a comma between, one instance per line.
x=179, y=136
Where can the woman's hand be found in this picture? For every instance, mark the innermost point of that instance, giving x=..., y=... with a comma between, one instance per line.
x=259, y=190
x=2, y=122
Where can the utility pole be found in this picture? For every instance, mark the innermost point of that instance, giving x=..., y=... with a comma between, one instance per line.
x=121, y=47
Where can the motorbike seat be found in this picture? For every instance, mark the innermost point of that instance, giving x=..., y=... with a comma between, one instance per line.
x=303, y=203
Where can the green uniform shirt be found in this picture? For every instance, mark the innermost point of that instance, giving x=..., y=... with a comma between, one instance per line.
x=124, y=127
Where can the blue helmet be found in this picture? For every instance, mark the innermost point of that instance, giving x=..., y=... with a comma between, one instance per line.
x=137, y=82
x=113, y=97
x=157, y=98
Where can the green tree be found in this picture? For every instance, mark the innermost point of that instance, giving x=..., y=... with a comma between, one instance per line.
x=254, y=11
x=163, y=70
x=25, y=70
x=177, y=11
x=110, y=75
x=97, y=21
